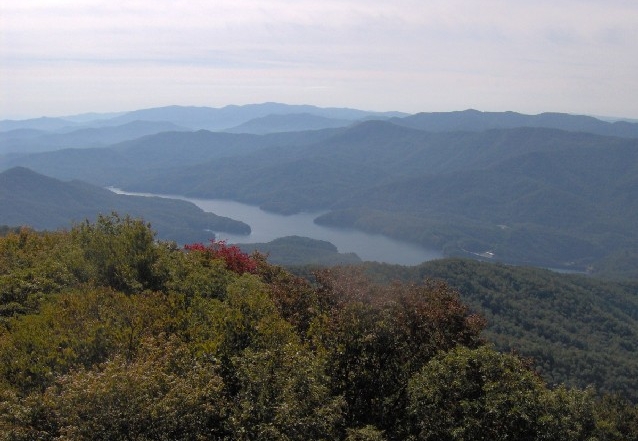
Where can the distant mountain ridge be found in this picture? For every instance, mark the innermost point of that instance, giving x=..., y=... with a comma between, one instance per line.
x=32, y=140
x=474, y=120
x=130, y=160
x=231, y=116
x=293, y=122
x=194, y=118
x=95, y=130
x=43, y=123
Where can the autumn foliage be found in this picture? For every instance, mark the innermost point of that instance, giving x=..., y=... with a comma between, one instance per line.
x=235, y=259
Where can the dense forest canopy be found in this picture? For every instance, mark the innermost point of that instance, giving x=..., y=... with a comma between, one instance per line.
x=106, y=333
x=579, y=330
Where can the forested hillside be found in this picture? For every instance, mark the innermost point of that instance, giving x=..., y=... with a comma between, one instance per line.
x=28, y=198
x=149, y=155
x=108, y=334
x=579, y=330
x=528, y=196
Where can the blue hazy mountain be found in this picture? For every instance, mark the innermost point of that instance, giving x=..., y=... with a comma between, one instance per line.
x=474, y=120
x=294, y=122
x=227, y=117
x=32, y=140
x=561, y=197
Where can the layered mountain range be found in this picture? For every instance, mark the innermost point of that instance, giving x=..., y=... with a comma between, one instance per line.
x=550, y=190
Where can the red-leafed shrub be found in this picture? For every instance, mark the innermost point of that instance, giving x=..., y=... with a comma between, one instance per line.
x=236, y=260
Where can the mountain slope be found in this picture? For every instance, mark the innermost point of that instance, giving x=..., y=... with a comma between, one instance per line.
x=579, y=330
x=371, y=154
x=150, y=155
x=46, y=203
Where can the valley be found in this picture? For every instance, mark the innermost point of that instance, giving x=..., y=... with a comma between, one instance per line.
x=549, y=190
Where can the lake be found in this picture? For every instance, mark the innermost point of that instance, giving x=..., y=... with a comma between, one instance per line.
x=268, y=226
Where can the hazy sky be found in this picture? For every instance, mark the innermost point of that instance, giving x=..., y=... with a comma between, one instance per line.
x=60, y=57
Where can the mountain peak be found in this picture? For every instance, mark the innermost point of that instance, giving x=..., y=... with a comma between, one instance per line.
x=18, y=180
x=19, y=172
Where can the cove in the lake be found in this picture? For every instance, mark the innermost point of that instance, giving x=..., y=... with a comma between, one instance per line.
x=268, y=226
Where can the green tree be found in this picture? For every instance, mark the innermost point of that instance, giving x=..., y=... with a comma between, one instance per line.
x=32, y=266
x=616, y=419
x=366, y=433
x=296, y=300
x=82, y=328
x=480, y=394
x=379, y=336
x=164, y=394
x=283, y=394
x=119, y=252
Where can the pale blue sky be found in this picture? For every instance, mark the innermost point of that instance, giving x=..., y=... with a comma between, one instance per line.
x=61, y=57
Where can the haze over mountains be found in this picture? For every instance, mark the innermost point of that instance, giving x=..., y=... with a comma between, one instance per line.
x=33, y=140
x=473, y=120
x=549, y=190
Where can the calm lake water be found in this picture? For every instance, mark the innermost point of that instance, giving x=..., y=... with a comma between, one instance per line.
x=269, y=226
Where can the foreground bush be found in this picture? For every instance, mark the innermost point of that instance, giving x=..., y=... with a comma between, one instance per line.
x=107, y=334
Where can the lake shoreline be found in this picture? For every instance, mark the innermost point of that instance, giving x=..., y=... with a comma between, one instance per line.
x=267, y=226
